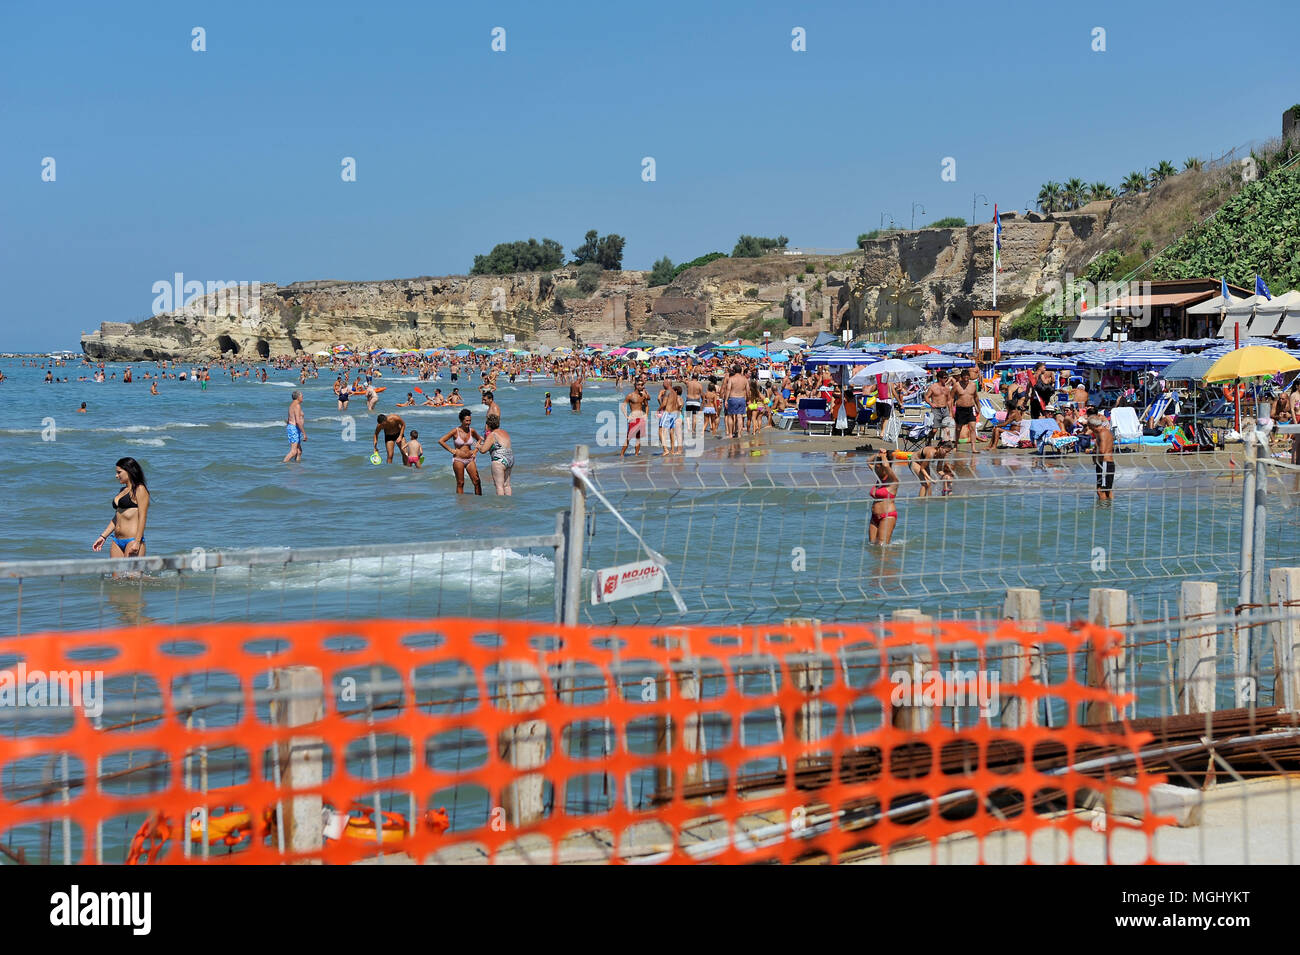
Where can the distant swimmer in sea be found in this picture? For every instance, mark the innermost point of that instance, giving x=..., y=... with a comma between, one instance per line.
x=125, y=530
x=435, y=400
x=344, y=392
x=492, y=407
x=294, y=424
x=496, y=445
x=575, y=396
x=462, y=451
x=409, y=402
x=153, y=387
x=414, y=451
x=454, y=398
x=547, y=403
x=372, y=399
x=83, y=409
x=394, y=430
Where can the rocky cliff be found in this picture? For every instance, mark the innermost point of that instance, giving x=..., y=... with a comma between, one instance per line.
x=922, y=284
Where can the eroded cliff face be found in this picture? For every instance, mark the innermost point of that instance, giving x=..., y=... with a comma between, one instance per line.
x=314, y=316
x=925, y=282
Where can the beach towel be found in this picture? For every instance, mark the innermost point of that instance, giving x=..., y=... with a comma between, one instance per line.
x=1127, y=428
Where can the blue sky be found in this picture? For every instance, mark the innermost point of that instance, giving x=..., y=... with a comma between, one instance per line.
x=225, y=165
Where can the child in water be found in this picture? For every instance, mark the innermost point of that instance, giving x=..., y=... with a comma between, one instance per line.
x=414, y=451
x=548, y=402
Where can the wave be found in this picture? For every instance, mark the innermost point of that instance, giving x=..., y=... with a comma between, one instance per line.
x=254, y=424
x=499, y=570
x=148, y=442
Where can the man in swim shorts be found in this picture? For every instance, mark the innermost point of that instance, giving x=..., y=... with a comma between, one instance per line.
x=939, y=397
x=963, y=393
x=693, y=406
x=1103, y=458
x=735, y=398
x=394, y=429
x=670, y=407
x=575, y=396
x=638, y=404
x=294, y=428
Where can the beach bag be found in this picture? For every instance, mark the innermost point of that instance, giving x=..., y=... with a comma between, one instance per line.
x=841, y=419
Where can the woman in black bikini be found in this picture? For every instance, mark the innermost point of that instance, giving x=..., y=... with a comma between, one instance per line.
x=130, y=510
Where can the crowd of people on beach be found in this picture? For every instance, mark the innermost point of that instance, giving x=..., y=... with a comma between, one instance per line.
x=689, y=396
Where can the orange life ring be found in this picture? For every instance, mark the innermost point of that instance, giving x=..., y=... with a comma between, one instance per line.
x=1228, y=395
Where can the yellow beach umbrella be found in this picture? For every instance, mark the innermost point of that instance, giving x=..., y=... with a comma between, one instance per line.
x=1253, y=361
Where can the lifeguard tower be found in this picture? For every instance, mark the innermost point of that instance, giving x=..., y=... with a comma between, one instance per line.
x=986, y=337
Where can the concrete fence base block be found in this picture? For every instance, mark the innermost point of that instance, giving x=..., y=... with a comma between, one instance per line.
x=1181, y=804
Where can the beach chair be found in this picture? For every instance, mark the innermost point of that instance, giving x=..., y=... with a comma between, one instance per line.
x=1124, y=422
x=989, y=414
x=1156, y=410
x=814, y=416
x=916, y=436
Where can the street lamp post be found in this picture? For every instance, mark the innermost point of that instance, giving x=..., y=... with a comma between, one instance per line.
x=978, y=195
x=914, y=205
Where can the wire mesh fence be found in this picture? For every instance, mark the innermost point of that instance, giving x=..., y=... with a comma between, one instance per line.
x=753, y=545
x=488, y=577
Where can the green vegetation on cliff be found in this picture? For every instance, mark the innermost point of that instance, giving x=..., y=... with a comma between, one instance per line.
x=605, y=251
x=755, y=246
x=696, y=263
x=1256, y=232
x=522, y=256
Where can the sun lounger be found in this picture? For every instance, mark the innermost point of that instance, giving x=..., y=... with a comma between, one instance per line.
x=814, y=416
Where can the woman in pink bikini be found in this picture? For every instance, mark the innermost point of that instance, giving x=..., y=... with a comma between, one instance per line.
x=463, y=461
x=884, y=507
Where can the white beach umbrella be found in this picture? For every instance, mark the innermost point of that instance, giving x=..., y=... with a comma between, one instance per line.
x=894, y=369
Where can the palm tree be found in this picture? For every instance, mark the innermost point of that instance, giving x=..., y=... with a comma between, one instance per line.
x=1133, y=183
x=1191, y=162
x=1074, y=193
x=1049, y=197
x=1162, y=172
x=1099, y=190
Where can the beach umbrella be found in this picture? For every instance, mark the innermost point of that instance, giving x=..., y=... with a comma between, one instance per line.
x=661, y=351
x=839, y=356
x=321, y=354
x=618, y=352
x=944, y=361
x=916, y=349
x=752, y=351
x=1191, y=367
x=792, y=340
x=893, y=369
x=636, y=345
x=638, y=355
x=1029, y=361
x=462, y=347
x=1251, y=362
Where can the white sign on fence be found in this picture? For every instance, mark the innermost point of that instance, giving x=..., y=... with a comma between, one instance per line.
x=508, y=338
x=626, y=580
x=986, y=343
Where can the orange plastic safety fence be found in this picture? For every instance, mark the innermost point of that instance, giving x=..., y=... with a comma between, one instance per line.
x=779, y=743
